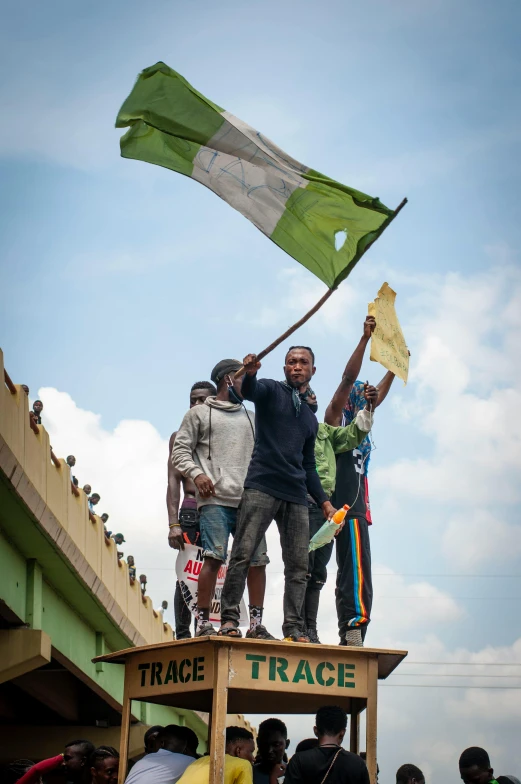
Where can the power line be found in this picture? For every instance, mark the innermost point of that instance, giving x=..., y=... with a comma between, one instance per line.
x=468, y=664
x=443, y=686
x=452, y=675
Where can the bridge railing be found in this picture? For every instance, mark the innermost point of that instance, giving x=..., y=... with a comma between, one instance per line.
x=51, y=479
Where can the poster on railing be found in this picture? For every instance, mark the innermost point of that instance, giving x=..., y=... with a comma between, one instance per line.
x=188, y=567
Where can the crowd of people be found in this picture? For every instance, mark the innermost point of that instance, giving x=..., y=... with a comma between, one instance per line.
x=233, y=471
x=170, y=755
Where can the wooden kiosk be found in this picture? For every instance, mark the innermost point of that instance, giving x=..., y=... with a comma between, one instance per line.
x=221, y=675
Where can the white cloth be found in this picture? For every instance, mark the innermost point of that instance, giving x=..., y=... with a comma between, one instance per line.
x=163, y=767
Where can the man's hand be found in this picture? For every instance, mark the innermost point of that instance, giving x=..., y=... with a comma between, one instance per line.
x=251, y=364
x=205, y=486
x=328, y=509
x=175, y=537
x=371, y=397
x=276, y=772
x=369, y=326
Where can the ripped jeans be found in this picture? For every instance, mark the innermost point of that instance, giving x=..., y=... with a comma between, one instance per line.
x=317, y=568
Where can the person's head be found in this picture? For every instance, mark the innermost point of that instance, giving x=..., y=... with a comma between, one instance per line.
x=191, y=740
x=130, y=560
x=200, y=391
x=87, y=489
x=164, y=604
x=37, y=406
x=151, y=735
x=474, y=766
x=174, y=738
x=299, y=366
x=104, y=517
x=331, y=722
x=95, y=499
x=26, y=390
x=224, y=376
x=272, y=741
x=76, y=758
x=356, y=401
x=71, y=460
x=104, y=765
x=15, y=770
x=119, y=538
x=240, y=743
x=409, y=774
x=307, y=744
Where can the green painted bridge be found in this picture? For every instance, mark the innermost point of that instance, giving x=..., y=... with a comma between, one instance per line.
x=64, y=599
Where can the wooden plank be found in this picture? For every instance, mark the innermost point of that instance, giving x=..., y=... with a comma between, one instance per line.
x=125, y=734
x=354, y=728
x=221, y=677
x=371, y=716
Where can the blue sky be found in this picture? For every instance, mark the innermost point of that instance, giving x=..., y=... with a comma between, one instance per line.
x=122, y=284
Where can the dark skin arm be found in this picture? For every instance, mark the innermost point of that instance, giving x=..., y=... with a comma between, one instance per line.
x=384, y=386
x=173, y=499
x=333, y=415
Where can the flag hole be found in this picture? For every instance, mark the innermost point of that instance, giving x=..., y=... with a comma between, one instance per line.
x=340, y=239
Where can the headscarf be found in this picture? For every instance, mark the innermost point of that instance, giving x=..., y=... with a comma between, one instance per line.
x=355, y=403
x=298, y=398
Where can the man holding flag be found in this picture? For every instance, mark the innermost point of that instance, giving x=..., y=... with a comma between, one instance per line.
x=282, y=472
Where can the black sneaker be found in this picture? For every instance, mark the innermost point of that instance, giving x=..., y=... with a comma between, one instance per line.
x=313, y=636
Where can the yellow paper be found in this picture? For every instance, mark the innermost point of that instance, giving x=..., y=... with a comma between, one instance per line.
x=388, y=345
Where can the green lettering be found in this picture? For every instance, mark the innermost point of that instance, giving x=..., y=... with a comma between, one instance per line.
x=198, y=672
x=320, y=673
x=342, y=675
x=155, y=675
x=278, y=666
x=184, y=677
x=303, y=672
x=143, y=668
x=171, y=673
x=255, y=661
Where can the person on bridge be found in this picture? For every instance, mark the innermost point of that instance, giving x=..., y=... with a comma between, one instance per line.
x=183, y=523
x=213, y=448
x=281, y=474
x=475, y=767
x=237, y=762
x=354, y=588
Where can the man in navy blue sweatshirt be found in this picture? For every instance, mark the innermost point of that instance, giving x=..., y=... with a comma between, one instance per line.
x=282, y=472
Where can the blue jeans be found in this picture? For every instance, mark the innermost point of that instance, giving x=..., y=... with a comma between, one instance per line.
x=216, y=524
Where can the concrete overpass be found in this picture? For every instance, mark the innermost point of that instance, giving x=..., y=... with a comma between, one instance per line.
x=64, y=599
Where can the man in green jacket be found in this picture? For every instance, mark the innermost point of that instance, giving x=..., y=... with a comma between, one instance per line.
x=330, y=442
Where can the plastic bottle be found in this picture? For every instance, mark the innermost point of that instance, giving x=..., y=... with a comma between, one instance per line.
x=328, y=531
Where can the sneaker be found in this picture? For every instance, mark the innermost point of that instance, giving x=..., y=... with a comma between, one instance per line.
x=259, y=633
x=313, y=636
x=353, y=638
x=206, y=629
x=297, y=637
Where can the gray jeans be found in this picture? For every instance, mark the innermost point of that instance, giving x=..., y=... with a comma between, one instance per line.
x=256, y=511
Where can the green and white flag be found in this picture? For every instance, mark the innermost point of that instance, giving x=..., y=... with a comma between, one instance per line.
x=301, y=210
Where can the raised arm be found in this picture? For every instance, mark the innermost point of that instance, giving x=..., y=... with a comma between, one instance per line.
x=251, y=388
x=384, y=386
x=343, y=439
x=333, y=415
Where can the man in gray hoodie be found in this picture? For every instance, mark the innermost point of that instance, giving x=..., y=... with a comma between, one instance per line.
x=213, y=448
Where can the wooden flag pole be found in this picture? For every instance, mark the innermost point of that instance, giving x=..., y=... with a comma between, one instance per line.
x=322, y=299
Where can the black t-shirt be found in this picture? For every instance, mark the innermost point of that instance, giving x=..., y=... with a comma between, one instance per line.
x=350, y=475
x=310, y=767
